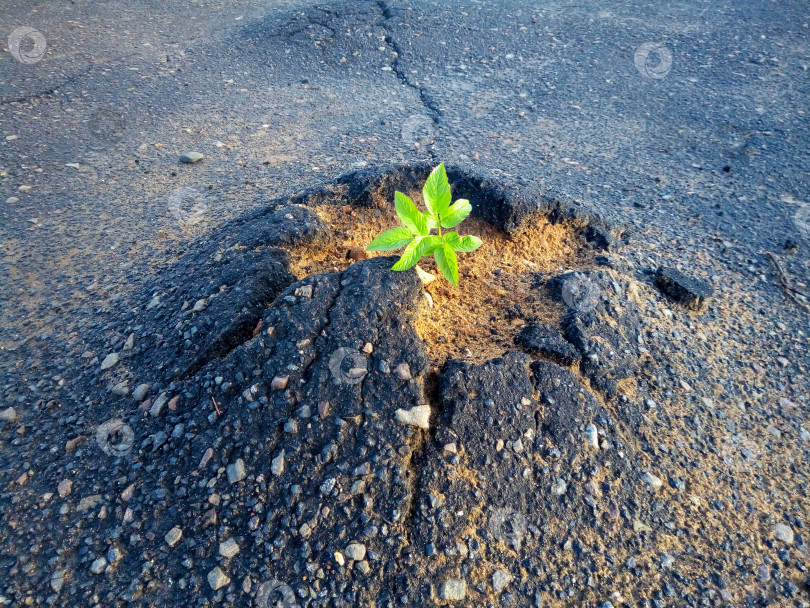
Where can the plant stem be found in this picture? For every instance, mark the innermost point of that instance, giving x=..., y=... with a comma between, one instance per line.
x=439, y=222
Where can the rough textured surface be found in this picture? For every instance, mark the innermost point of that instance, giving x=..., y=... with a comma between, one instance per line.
x=543, y=102
x=546, y=340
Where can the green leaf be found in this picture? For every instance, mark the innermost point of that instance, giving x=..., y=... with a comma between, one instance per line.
x=447, y=262
x=391, y=239
x=417, y=248
x=429, y=244
x=410, y=256
x=437, y=191
x=432, y=223
x=456, y=214
x=411, y=217
x=464, y=244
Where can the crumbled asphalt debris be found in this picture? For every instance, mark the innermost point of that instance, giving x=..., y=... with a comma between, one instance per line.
x=546, y=340
x=691, y=292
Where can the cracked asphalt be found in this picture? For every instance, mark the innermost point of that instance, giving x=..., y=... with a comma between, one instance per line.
x=684, y=123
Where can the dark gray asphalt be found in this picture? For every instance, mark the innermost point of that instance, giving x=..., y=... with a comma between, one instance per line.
x=707, y=161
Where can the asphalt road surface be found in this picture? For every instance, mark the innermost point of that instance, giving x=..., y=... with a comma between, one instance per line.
x=684, y=122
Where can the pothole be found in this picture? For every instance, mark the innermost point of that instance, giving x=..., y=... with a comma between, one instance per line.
x=495, y=299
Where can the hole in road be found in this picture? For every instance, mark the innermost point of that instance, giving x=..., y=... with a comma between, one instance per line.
x=479, y=319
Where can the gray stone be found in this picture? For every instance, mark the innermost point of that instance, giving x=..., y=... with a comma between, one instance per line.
x=8, y=415
x=157, y=406
x=114, y=555
x=403, y=371
x=64, y=487
x=236, y=471
x=453, y=590
x=98, y=566
x=362, y=567
x=592, y=436
x=191, y=157
x=121, y=389
x=57, y=580
x=109, y=361
x=356, y=551
x=88, y=502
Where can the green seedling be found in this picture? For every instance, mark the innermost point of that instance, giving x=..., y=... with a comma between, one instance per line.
x=415, y=233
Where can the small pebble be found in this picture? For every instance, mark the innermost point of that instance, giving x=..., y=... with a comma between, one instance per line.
x=236, y=471
x=217, y=579
x=654, y=482
x=109, y=361
x=403, y=371
x=453, y=590
x=64, y=488
x=173, y=536
x=356, y=551
x=228, y=548
x=279, y=383
x=784, y=533
x=8, y=415
x=191, y=157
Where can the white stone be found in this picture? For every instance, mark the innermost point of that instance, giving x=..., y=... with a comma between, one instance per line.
x=453, y=590
x=277, y=464
x=592, y=436
x=228, y=548
x=784, y=533
x=416, y=416
x=425, y=276
x=500, y=579
x=654, y=482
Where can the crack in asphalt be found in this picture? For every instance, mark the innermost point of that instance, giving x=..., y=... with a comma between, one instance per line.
x=430, y=105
